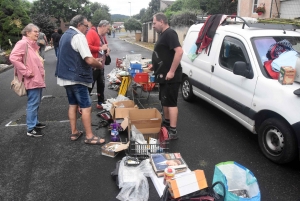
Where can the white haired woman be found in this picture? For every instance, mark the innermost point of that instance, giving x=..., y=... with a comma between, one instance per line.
x=29, y=65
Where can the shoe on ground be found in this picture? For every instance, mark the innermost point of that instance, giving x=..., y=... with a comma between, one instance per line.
x=40, y=125
x=173, y=135
x=34, y=133
x=100, y=107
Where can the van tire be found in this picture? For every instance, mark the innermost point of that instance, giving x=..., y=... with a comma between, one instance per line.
x=187, y=89
x=277, y=140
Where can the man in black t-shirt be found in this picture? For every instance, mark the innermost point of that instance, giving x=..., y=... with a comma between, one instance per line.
x=55, y=38
x=167, y=70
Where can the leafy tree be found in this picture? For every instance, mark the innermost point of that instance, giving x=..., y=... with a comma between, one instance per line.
x=44, y=23
x=177, y=6
x=133, y=25
x=60, y=9
x=183, y=18
x=13, y=19
x=191, y=4
x=220, y=6
x=100, y=14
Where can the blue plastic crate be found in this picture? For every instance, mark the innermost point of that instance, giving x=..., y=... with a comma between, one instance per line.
x=136, y=65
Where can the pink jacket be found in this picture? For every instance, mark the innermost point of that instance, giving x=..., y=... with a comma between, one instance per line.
x=33, y=63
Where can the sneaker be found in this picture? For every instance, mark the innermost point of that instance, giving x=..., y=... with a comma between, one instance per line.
x=100, y=107
x=173, y=135
x=40, y=125
x=34, y=133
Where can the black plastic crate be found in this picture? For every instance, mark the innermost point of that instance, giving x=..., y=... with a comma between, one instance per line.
x=143, y=151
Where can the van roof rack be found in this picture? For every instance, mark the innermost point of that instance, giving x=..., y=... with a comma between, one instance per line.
x=262, y=25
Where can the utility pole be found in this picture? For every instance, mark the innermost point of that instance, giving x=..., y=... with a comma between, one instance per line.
x=130, y=8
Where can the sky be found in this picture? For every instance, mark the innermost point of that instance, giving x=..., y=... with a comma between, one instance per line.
x=123, y=7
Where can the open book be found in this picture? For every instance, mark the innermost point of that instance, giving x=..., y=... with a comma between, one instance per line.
x=161, y=161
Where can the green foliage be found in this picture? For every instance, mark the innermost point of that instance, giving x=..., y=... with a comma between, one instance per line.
x=119, y=18
x=65, y=9
x=177, y=6
x=13, y=19
x=154, y=7
x=133, y=25
x=219, y=6
x=44, y=23
x=183, y=18
x=100, y=14
x=191, y=4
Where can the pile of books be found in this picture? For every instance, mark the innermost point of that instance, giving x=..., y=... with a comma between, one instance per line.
x=160, y=161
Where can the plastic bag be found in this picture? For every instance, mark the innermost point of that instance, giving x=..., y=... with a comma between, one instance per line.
x=240, y=182
x=133, y=181
x=137, y=135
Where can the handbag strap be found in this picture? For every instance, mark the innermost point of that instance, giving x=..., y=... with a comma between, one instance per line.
x=24, y=61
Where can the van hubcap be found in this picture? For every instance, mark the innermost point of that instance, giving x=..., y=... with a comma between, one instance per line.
x=274, y=141
x=185, y=88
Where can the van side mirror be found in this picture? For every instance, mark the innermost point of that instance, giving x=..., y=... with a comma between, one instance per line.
x=243, y=69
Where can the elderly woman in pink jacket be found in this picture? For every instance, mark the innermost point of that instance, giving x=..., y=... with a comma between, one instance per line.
x=33, y=73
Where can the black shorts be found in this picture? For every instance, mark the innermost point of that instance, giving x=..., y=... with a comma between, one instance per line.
x=168, y=94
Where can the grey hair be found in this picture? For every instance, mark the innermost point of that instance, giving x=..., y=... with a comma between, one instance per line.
x=103, y=23
x=78, y=19
x=28, y=28
x=161, y=16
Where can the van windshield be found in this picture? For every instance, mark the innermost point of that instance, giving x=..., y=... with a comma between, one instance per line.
x=269, y=47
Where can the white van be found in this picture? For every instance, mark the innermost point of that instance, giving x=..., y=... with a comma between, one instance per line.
x=231, y=76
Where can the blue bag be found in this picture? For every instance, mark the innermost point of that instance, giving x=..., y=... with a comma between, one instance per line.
x=240, y=183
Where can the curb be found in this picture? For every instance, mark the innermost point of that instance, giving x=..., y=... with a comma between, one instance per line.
x=137, y=44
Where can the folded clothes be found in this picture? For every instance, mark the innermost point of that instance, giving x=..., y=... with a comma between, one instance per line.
x=287, y=58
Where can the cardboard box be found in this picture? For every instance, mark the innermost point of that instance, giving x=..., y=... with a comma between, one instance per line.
x=118, y=112
x=147, y=121
x=187, y=183
x=286, y=75
x=111, y=149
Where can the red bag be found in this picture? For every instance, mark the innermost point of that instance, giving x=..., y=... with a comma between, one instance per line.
x=269, y=70
x=163, y=136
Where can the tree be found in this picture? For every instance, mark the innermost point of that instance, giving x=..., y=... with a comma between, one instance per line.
x=13, y=19
x=191, y=4
x=132, y=25
x=221, y=6
x=100, y=14
x=60, y=9
x=44, y=23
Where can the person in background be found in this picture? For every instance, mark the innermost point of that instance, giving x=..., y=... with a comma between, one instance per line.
x=113, y=31
x=99, y=48
x=42, y=37
x=74, y=72
x=55, y=37
x=26, y=51
x=166, y=64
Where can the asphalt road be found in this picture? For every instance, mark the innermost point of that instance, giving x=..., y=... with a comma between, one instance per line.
x=54, y=168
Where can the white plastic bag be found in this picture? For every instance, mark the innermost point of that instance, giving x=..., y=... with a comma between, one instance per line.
x=133, y=181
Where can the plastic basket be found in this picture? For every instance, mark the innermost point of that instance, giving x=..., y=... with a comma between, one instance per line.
x=141, y=77
x=143, y=151
x=148, y=87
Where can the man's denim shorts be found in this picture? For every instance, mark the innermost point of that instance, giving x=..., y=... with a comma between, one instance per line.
x=78, y=95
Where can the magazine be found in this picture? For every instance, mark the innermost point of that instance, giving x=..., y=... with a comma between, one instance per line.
x=161, y=161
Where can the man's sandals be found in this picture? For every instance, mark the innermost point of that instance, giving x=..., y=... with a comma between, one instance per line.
x=94, y=140
x=76, y=136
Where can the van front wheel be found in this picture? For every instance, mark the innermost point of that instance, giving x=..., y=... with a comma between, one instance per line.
x=186, y=89
x=277, y=140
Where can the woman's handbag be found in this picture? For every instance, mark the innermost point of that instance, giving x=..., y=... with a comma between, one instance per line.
x=41, y=42
x=107, y=60
x=17, y=85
